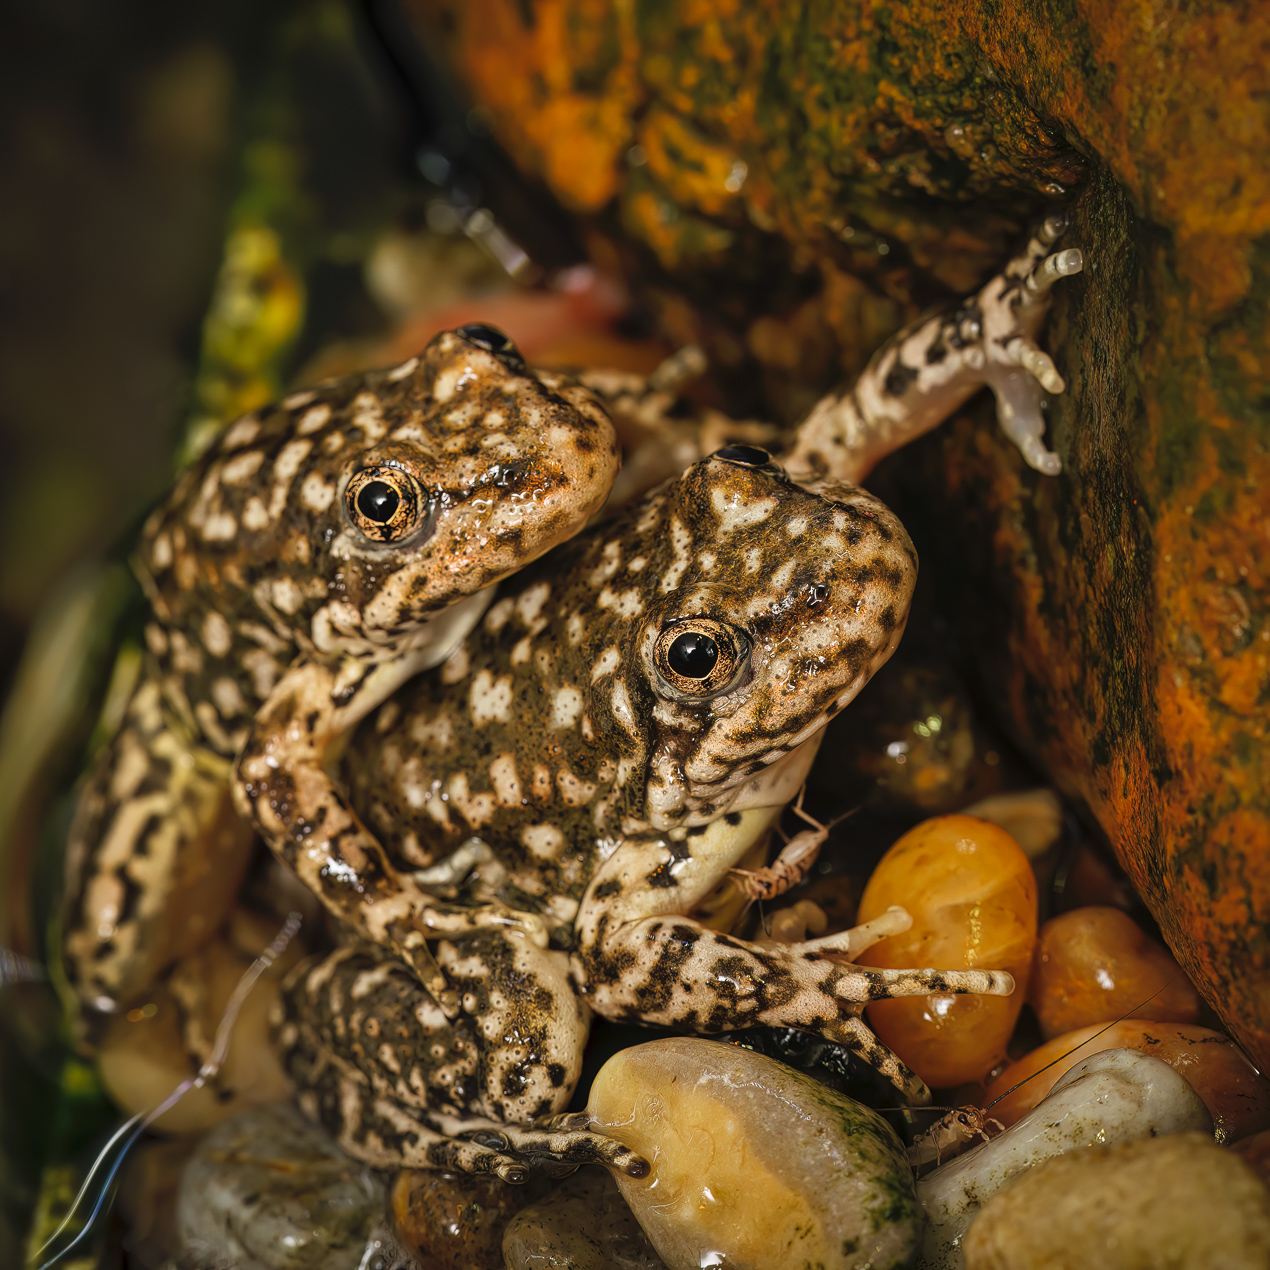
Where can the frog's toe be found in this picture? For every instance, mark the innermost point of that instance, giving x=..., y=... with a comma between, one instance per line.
x=1062, y=264
x=568, y=1141
x=854, y=1034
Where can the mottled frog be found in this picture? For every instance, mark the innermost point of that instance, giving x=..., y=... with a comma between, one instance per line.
x=322, y=551
x=627, y=721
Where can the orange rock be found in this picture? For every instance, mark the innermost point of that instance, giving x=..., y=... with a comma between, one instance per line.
x=1096, y=963
x=972, y=896
x=1236, y=1094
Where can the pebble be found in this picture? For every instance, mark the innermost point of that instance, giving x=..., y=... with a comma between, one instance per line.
x=1115, y=1096
x=270, y=1191
x=1172, y=1203
x=584, y=1224
x=455, y=1221
x=1236, y=1094
x=754, y=1165
x=1032, y=817
x=972, y=895
x=161, y=1039
x=1095, y=964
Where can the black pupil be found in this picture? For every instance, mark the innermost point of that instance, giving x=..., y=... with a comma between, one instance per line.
x=747, y=455
x=488, y=337
x=693, y=655
x=378, y=501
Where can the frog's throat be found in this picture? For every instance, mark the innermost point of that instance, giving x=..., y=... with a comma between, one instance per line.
x=778, y=784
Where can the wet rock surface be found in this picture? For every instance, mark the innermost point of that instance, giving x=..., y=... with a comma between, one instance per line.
x=972, y=896
x=786, y=185
x=1236, y=1094
x=456, y=1221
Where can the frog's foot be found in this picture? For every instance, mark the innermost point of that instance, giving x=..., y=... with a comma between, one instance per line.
x=931, y=367
x=1010, y=311
x=559, y=1145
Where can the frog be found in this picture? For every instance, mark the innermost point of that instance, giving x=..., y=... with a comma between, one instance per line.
x=623, y=727
x=337, y=541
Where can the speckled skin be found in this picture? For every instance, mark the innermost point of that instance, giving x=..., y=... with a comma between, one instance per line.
x=271, y=592
x=610, y=798
x=614, y=795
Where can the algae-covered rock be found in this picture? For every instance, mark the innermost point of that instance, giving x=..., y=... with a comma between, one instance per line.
x=754, y=1165
x=785, y=183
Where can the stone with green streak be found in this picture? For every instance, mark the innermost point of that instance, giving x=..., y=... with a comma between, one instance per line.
x=753, y=1164
x=786, y=183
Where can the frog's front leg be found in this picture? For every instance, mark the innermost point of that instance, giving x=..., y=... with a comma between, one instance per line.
x=282, y=783
x=639, y=959
x=920, y=376
x=403, y=1086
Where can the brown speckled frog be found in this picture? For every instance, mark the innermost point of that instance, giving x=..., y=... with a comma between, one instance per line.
x=625, y=724
x=322, y=551
x=627, y=721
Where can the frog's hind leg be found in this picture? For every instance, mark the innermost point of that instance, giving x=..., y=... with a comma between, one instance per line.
x=400, y=1084
x=932, y=366
x=155, y=856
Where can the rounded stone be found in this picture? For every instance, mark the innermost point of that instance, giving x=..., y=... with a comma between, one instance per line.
x=1158, y=1203
x=754, y=1165
x=971, y=892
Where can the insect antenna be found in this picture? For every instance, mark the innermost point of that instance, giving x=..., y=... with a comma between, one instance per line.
x=131, y=1130
x=1083, y=1043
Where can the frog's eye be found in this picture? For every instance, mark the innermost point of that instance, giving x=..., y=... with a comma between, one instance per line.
x=743, y=455
x=385, y=503
x=699, y=657
x=492, y=340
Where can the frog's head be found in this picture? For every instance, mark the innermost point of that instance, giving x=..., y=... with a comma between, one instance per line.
x=356, y=511
x=774, y=605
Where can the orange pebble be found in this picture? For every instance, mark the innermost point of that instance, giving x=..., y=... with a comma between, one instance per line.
x=972, y=896
x=1236, y=1094
x=1096, y=963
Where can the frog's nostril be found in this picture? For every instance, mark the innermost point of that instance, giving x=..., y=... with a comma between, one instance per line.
x=378, y=501
x=743, y=455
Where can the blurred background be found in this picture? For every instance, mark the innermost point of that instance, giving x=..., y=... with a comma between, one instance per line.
x=121, y=131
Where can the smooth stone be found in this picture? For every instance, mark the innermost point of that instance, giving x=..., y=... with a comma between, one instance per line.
x=1175, y=1203
x=270, y=1191
x=144, y=1054
x=1032, y=817
x=754, y=1165
x=1236, y=1094
x=1096, y=963
x=584, y=1224
x=971, y=892
x=455, y=1221
x=1115, y=1096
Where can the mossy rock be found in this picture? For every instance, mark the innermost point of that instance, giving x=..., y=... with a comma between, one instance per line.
x=787, y=183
